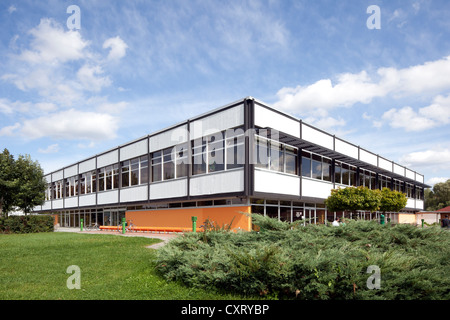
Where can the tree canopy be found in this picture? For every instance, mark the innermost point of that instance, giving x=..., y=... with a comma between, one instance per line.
x=363, y=198
x=438, y=197
x=22, y=183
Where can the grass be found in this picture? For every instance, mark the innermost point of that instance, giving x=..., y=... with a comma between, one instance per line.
x=33, y=267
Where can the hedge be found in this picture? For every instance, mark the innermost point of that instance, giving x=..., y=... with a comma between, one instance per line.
x=27, y=224
x=288, y=261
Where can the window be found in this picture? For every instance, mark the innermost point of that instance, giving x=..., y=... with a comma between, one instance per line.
x=198, y=156
x=94, y=181
x=108, y=178
x=101, y=179
x=216, y=152
x=345, y=174
x=168, y=164
x=276, y=156
x=326, y=169
x=125, y=174
x=144, y=169
x=182, y=165
x=156, y=166
x=306, y=164
x=115, y=173
x=316, y=167
x=235, y=152
x=134, y=171
x=262, y=153
x=337, y=172
x=83, y=184
x=290, y=160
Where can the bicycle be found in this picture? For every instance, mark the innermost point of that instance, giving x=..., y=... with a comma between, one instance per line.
x=130, y=226
x=93, y=227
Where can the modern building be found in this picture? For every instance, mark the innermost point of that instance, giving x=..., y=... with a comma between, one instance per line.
x=240, y=158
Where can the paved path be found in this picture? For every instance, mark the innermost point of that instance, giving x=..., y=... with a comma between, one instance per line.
x=165, y=237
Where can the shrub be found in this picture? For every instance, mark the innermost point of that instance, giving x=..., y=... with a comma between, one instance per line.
x=26, y=224
x=313, y=261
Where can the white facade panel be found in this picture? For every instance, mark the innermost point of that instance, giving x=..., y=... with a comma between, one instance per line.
x=71, y=202
x=223, y=120
x=108, y=159
x=346, y=148
x=273, y=182
x=268, y=118
x=47, y=205
x=87, y=166
x=227, y=181
x=410, y=203
x=87, y=200
x=316, y=188
x=169, y=138
x=57, y=176
x=419, y=177
x=410, y=174
x=318, y=137
x=48, y=178
x=384, y=164
x=108, y=197
x=168, y=189
x=71, y=171
x=399, y=169
x=134, y=194
x=58, y=204
x=419, y=204
x=368, y=157
x=134, y=150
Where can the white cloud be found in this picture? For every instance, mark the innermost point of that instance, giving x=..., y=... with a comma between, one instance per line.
x=90, y=80
x=436, y=114
x=407, y=119
x=118, y=48
x=52, y=44
x=429, y=158
x=11, y=9
x=73, y=125
x=9, y=130
x=434, y=180
x=53, y=148
x=351, y=88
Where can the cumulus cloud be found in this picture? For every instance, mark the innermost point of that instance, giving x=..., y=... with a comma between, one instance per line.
x=349, y=88
x=9, y=130
x=53, y=148
x=436, y=114
x=428, y=158
x=51, y=43
x=72, y=125
x=90, y=78
x=117, y=48
x=60, y=70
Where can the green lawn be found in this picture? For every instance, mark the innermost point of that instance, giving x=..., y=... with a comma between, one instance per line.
x=33, y=266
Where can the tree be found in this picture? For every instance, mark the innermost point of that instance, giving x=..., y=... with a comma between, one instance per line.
x=8, y=183
x=438, y=197
x=360, y=198
x=392, y=200
x=22, y=183
x=363, y=198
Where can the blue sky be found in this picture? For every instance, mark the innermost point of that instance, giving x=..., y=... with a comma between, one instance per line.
x=134, y=67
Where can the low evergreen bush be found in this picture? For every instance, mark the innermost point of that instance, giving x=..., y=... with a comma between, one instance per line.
x=27, y=224
x=288, y=261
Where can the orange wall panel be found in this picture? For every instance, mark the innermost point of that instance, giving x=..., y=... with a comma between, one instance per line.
x=181, y=217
